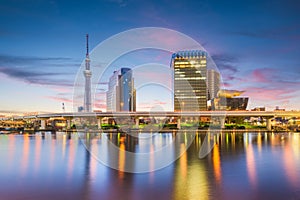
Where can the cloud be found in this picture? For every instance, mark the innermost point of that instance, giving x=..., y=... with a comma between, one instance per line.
x=29, y=59
x=225, y=62
x=57, y=82
x=35, y=77
x=153, y=104
x=10, y=112
x=157, y=102
x=223, y=58
x=228, y=67
x=269, y=94
x=20, y=73
x=275, y=78
x=270, y=86
x=285, y=32
x=144, y=106
x=59, y=99
x=227, y=85
x=39, y=70
x=261, y=75
x=62, y=90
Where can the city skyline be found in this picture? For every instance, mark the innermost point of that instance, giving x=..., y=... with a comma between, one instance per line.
x=255, y=47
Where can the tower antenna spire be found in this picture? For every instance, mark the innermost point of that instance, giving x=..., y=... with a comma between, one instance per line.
x=87, y=45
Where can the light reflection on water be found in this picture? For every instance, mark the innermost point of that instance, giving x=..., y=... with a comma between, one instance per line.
x=240, y=166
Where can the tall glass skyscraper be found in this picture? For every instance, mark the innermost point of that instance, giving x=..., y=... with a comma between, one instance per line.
x=121, y=94
x=190, y=71
x=213, y=83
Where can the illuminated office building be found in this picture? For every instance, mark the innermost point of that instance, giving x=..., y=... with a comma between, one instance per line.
x=121, y=93
x=190, y=90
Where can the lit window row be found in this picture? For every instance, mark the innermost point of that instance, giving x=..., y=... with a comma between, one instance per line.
x=190, y=78
x=189, y=97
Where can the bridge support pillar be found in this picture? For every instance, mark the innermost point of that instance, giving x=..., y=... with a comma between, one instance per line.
x=178, y=123
x=269, y=124
x=43, y=124
x=137, y=122
x=69, y=123
x=222, y=122
x=99, y=122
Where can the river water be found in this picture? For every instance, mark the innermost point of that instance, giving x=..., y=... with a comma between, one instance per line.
x=241, y=165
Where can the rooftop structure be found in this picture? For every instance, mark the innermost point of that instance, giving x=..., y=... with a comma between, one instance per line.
x=229, y=93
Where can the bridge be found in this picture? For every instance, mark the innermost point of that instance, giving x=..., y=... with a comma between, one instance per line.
x=271, y=114
x=221, y=115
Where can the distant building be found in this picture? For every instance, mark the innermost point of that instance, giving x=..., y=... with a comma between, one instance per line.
x=80, y=109
x=213, y=83
x=121, y=95
x=229, y=100
x=190, y=90
x=279, y=109
x=259, y=109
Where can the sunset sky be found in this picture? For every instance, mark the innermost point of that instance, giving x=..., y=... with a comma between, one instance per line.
x=255, y=45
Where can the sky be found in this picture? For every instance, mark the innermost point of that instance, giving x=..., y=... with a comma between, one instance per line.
x=255, y=45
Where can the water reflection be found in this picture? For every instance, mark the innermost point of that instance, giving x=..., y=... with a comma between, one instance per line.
x=38, y=146
x=240, y=166
x=191, y=177
x=217, y=163
x=251, y=165
x=25, y=155
x=122, y=154
x=291, y=160
x=139, y=152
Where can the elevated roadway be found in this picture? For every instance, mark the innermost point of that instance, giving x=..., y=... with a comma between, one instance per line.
x=267, y=114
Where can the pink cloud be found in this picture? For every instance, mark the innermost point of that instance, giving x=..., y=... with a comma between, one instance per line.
x=59, y=99
x=262, y=75
x=100, y=106
x=267, y=94
x=157, y=102
x=144, y=106
x=227, y=85
x=157, y=38
x=152, y=104
x=61, y=89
